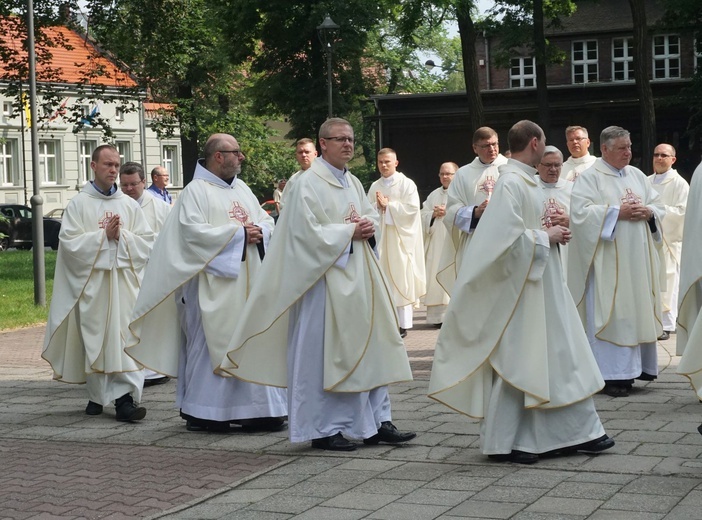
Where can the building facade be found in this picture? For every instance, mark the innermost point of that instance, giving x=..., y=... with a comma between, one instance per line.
x=65, y=149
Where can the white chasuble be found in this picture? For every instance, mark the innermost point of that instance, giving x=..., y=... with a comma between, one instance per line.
x=557, y=203
x=435, y=237
x=471, y=186
x=197, y=242
x=625, y=270
x=156, y=211
x=673, y=191
x=401, y=244
x=362, y=348
x=95, y=287
x=511, y=320
x=689, y=334
x=573, y=167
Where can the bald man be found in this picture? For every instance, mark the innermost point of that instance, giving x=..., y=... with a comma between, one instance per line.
x=673, y=190
x=197, y=281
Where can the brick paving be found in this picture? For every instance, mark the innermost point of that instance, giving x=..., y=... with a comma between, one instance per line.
x=58, y=463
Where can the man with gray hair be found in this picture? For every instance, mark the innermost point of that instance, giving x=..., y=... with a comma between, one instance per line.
x=557, y=192
x=614, y=264
x=196, y=284
x=580, y=159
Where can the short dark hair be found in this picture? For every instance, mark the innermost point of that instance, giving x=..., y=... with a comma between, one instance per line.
x=484, y=132
x=95, y=157
x=521, y=134
x=130, y=168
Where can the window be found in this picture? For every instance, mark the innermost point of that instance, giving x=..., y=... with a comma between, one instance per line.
x=522, y=73
x=622, y=59
x=49, y=161
x=125, y=151
x=585, y=69
x=119, y=114
x=7, y=108
x=666, y=56
x=9, y=163
x=86, y=149
x=170, y=163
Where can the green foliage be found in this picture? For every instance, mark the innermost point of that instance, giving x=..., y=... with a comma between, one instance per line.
x=17, y=307
x=512, y=22
x=685, y=16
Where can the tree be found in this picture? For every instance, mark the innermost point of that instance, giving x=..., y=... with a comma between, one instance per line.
x=521, y=26
x=643, y=84
x=685, y=16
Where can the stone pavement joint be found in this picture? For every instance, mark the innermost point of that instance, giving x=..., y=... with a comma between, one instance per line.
x=57, y=463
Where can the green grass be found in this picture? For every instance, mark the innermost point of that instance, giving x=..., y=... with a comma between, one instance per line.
x=17, y=307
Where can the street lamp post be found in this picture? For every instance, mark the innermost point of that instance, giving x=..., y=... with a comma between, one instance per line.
x=328, y=33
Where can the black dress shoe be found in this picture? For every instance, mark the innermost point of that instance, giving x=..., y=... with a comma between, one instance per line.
x=156, y=381
x=389, y=434
x=127, y=411
x=403, y=332
x=594, y=446
x=201, y=425
x=437, y=325
x=262, y=424
x=516, y=456
x=647, y=377
x=335, y=442
x=699, y=429
x=664, y=336
x=614, y=390
x=93, y=408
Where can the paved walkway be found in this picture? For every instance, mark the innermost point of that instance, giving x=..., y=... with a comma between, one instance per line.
x=57, y=463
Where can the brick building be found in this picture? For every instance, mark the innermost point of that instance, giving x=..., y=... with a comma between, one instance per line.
x=594, y=87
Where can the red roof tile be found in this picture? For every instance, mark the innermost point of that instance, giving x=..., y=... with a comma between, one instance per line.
x=83, y=63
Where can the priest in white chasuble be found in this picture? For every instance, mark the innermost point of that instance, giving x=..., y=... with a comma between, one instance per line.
x=512, y=351
x=105, y=243
x=132, y=182
x=320, y=317
x=401, y=244
x=578, y=142
x=468, y=196
x=615, y=272
x=436, y=236
x=207, y=256
x=557, y=192
x=673, y=190
x=689, y=332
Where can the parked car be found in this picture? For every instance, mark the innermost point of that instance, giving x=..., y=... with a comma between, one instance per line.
x=17, y=229
x=268, y=206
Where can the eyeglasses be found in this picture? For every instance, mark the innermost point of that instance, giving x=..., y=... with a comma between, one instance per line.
x=576, y=139
x=341, y=139
x=237, y=152
x=664, y=155
x=552, y=166
x=488, y=145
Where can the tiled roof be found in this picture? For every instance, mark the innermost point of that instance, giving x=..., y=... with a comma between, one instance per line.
x=83, y=63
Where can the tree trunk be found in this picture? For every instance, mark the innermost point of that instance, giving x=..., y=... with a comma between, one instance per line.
x=643, y=84
x=468, y=34
x=540, y=55
x=188, y=138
